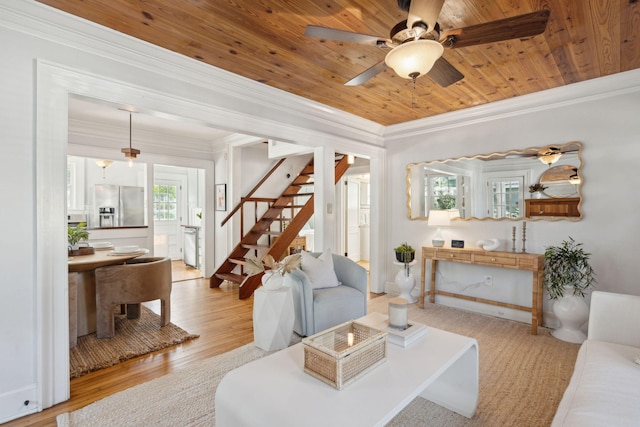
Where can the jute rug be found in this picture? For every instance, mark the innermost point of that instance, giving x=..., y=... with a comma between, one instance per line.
x=522, y=379
x=133, y=337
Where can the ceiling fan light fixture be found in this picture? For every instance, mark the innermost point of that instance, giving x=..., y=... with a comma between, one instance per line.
x=548, y=159
x=414, y=58
x=550, y=155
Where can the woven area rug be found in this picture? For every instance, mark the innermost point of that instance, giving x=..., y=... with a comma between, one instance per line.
x=522, y=379
x=133, y=337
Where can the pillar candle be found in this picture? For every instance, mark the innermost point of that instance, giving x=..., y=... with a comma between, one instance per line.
x=398, y=313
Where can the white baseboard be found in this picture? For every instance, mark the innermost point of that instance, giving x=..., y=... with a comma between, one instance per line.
x=18, y=403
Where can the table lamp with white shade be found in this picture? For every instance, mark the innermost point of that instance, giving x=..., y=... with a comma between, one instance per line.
x=438, y=219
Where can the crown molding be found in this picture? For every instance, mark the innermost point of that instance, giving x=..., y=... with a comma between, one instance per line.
x=576, y=93
x=53, y=25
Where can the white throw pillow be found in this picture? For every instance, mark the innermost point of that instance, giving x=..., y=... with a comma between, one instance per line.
x=319, y=270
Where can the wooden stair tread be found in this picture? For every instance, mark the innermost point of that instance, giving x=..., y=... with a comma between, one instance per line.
x=238, y=261
x=268, y=232
x=251, y=246
x=260, y=199
x=299, y=194
x=231, y=277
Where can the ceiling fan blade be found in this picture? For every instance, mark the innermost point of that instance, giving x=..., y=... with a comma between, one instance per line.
x=516, y=27
x=425, y=11
x=444, y=73
x=367, y=74
x=343, y=36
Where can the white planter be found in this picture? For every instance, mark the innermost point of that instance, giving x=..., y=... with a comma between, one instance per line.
x=406, y=282
x=572, y=312
x=536, y=195
x=272, y=281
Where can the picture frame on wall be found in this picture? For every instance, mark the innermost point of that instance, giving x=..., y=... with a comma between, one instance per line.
x=221, y=197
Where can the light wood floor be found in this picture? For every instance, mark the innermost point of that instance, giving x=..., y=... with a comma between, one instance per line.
x=223, y=322
x=181, y=271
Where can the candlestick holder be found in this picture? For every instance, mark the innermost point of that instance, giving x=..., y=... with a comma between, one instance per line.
x=513, y=238
x=524, y=236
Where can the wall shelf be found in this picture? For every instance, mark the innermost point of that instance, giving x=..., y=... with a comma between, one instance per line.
x=567, y=207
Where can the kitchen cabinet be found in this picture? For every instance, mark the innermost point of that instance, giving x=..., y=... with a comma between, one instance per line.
x=567, y=207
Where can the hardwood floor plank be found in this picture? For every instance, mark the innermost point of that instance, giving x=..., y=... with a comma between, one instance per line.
x=222, y=320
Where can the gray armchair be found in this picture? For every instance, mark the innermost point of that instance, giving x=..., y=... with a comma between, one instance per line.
x=319, y=309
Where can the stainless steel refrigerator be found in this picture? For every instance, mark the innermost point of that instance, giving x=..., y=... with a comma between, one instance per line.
x=128, y=202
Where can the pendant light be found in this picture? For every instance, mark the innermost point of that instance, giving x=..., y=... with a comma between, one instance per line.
x=104, y=164
x=130, y=153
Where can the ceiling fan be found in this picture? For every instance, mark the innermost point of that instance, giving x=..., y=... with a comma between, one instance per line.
x=417, y=45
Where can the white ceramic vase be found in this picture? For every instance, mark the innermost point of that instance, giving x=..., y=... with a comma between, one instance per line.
x=406, y=283
x=536, y=195
x=572, y=312
x=272, y=280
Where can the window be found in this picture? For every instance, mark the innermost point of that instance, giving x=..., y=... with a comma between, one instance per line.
x=446, y=192
x=165, y=203
x=506, y=196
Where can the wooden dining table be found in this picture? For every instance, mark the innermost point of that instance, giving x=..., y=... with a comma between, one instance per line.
x=82, y=288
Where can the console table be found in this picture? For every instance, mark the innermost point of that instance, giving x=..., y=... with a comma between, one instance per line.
x=513, y=260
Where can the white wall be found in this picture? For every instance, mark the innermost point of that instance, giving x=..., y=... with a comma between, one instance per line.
x=604, y=117
x=49, y=56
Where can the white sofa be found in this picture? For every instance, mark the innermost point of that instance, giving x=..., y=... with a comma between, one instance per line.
x=605, y=386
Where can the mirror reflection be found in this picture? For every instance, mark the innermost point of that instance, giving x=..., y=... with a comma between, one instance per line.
x=560, y=181
x=497, y=186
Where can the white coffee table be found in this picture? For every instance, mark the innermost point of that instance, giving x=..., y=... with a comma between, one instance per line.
x=275, y=390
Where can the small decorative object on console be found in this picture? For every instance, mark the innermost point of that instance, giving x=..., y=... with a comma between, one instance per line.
x=342, y=354
x=489, y=244
x=457, y=243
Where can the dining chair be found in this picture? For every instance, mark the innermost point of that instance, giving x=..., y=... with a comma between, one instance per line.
x=137, y=280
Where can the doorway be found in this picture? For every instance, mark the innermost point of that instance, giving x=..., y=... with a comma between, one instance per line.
x=356, y=215
x=177, y=214
x=168, y=204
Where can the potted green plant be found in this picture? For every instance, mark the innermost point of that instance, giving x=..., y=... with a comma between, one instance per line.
x=536, y=190
x=75, y=236
x=405, y=253
x=567, y=274
x=404, y=280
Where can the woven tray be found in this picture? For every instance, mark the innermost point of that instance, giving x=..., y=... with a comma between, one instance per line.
x=336, y=359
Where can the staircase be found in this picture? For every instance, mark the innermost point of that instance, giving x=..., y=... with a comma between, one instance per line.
x=262, y=239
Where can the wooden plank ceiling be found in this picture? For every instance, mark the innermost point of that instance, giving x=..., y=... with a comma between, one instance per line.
x=264, y=40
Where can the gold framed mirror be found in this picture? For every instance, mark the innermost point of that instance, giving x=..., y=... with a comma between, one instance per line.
x=496, y=186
